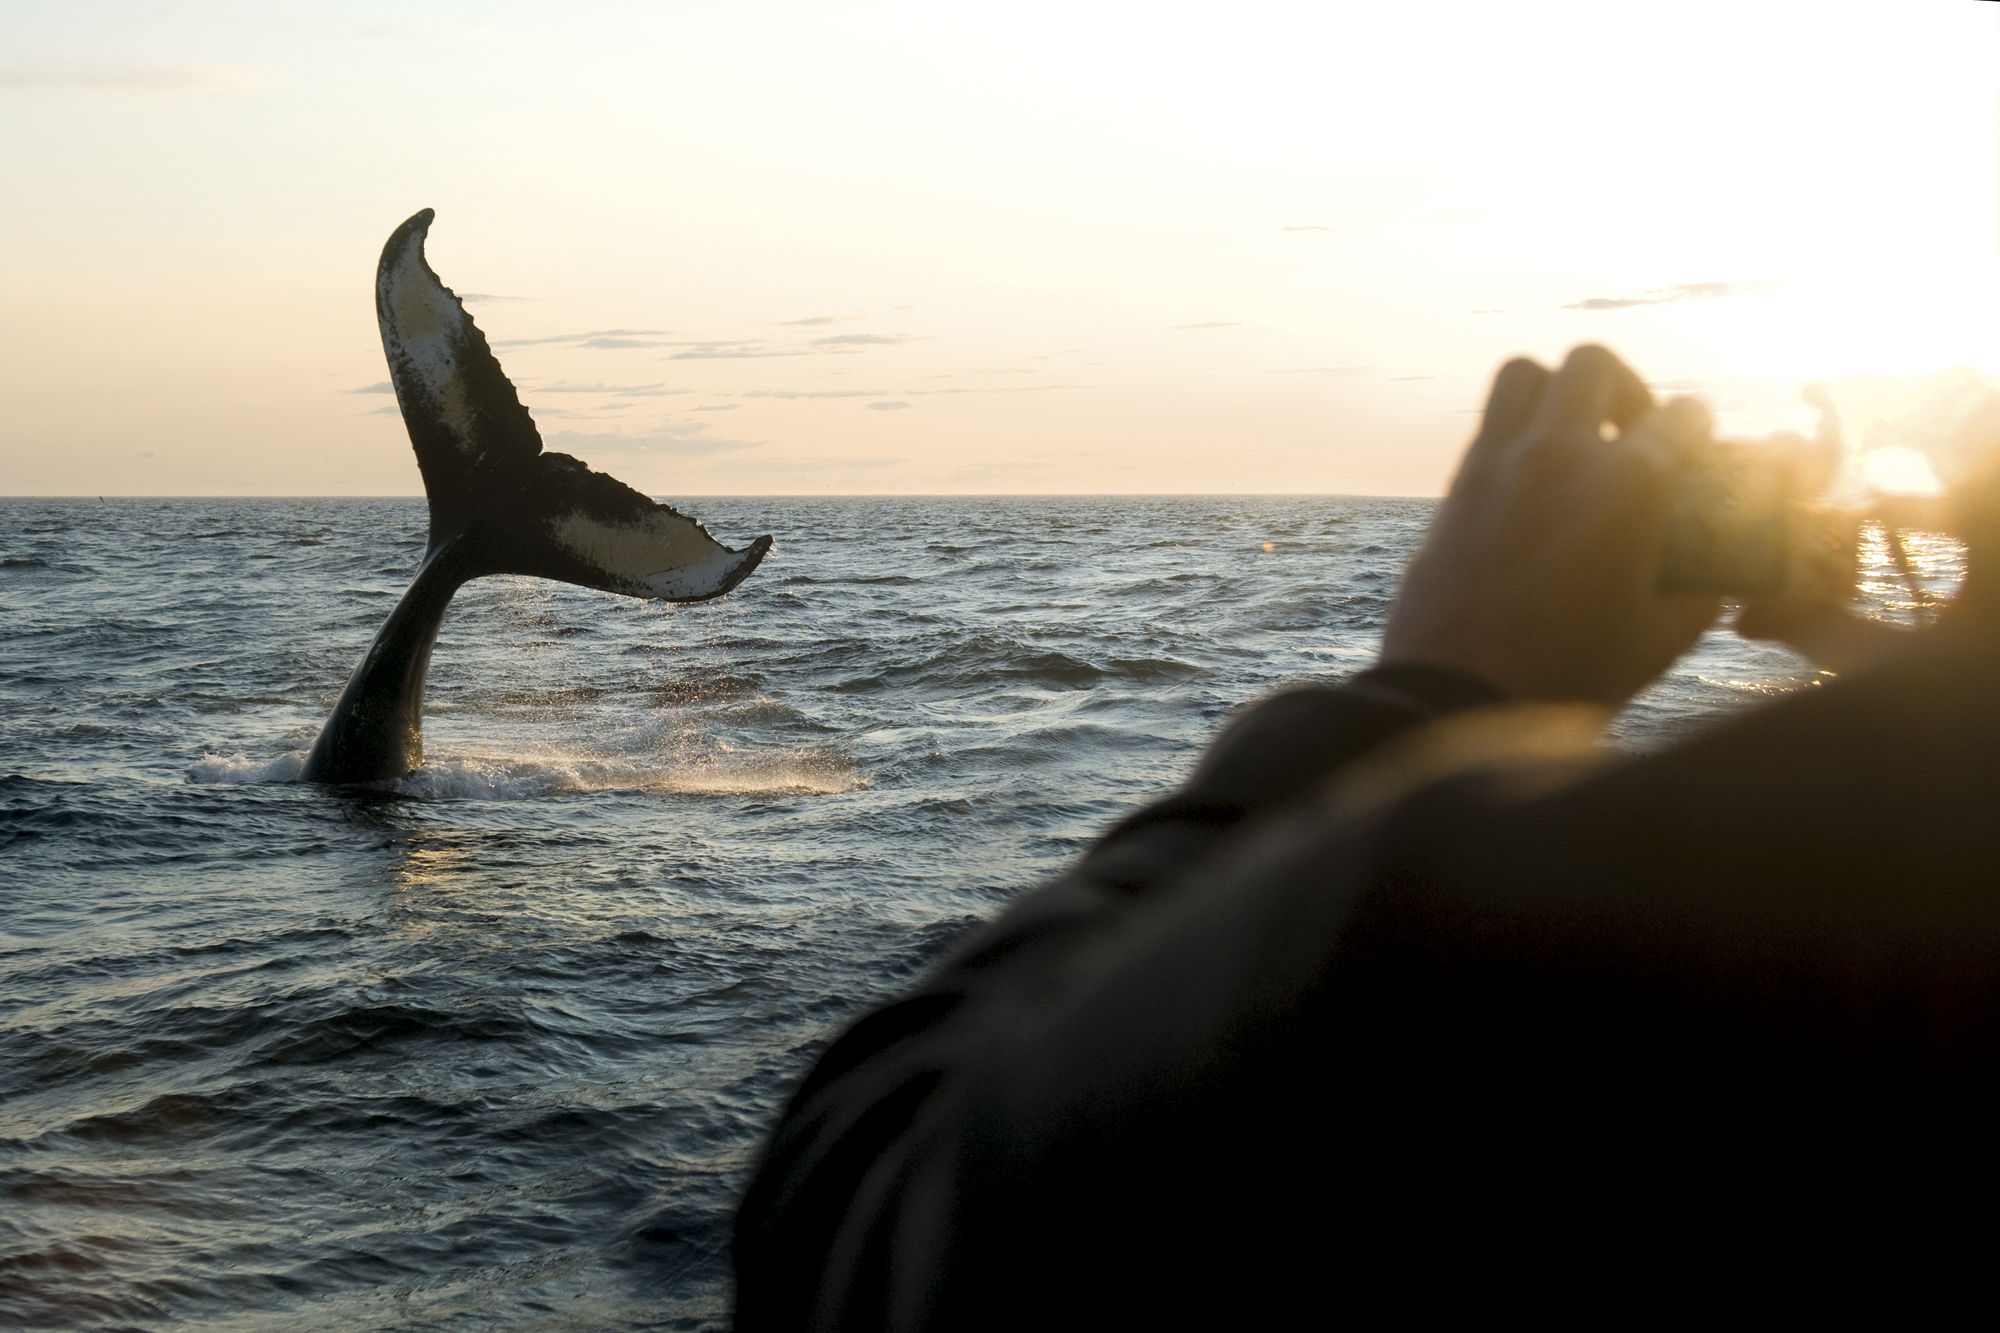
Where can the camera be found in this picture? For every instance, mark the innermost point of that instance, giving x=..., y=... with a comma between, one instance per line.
x=1745, y=518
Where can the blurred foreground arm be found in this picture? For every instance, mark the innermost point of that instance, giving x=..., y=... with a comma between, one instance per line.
x=1289, y=1036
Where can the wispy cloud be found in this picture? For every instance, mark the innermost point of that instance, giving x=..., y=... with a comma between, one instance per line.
x=905, y=393
x=1404, y=379
x=383, y=387
x=738, y=350
x=1210, y=324
x=997, y=388
x=1336, y=372
x=1679, y=292
x=867, y=340
x=1306, y=228
x=621, y=390
x=1489, y=311
x=718, y=407
x=156, y=80
x=892, y=405
x=476, y=298
x=677, y=439
x=814, y=321
x=713, y=349
x=815, y=393
x=594, y=338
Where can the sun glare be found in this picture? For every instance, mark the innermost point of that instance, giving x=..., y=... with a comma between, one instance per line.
x=1895, y=471
x=962, y=248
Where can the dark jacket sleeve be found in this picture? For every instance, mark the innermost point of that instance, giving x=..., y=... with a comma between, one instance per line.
x=854, y=1217
x=1268, y=1042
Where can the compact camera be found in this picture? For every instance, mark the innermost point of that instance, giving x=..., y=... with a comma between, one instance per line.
x=1744, y=517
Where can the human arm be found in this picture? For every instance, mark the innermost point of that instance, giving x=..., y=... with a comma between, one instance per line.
x=1149, y=1000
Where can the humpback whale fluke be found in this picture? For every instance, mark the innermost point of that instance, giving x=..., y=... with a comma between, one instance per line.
x=498, y=505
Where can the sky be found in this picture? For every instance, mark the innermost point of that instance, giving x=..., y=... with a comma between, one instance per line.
x=759, y=248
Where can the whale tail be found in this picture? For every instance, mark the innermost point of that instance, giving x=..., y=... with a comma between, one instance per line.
x=499, y=505
x=497, y=500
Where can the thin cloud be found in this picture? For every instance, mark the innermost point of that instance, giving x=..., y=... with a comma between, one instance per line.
x=594, y=338
x=905, y=393
x=475, y=298
x=1679, y=292
x=814, y=321
x=893, y=405
x=158, y=80
x=1307, y=228
x=867, y=340
x=996, y=388
x=1210, y=324
x=718, y=407
x=711, y=349
x=1404, y=379
x=728, y=351
x=623, y=390
x=676, y=439
x=1489, y=311
x=816, y=393
x=383, y=387
x=1337, y=372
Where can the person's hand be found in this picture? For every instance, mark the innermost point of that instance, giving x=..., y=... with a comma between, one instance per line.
x=1539, y=573
x=1814, y=615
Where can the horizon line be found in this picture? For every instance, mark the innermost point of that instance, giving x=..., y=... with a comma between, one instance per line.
x=766, y=495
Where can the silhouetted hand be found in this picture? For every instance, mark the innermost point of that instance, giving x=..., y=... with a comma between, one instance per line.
x=1539, y=572
x=1814, y=616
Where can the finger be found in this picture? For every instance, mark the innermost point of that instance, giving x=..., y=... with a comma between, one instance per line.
x=1517, y=388
x=1510, y=405
x=1592, y=387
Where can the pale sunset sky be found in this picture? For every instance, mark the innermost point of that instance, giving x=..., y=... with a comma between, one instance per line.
x=761, y=248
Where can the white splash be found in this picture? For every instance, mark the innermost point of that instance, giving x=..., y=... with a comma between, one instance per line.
x=517, y=777
x=243, y=769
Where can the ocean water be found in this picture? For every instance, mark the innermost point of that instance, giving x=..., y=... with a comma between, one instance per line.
x=492, y=1046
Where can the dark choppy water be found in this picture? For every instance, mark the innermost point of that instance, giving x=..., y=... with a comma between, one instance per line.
x=494, y=1046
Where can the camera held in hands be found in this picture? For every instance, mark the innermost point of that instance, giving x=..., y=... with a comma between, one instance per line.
x=1746, y=518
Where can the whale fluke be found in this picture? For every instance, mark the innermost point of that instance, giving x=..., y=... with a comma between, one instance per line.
x=484, y=469
x=499, y=504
